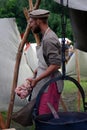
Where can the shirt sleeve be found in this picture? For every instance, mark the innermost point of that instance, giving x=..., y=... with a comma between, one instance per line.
x=52, y=51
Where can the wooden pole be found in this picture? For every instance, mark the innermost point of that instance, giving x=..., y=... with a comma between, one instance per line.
x=63, y=104
x=78, y=76
x=31, y=5
x=16, y=69
x=36, y=6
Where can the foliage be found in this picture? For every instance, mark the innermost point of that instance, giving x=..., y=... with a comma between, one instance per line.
x=14, y=8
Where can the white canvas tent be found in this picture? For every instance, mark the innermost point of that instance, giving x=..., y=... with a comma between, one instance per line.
x=71, y=66
x=9, y=42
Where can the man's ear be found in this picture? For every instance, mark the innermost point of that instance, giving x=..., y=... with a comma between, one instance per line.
x=38, y=21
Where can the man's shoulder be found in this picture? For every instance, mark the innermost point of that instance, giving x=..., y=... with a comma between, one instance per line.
x=51, y=36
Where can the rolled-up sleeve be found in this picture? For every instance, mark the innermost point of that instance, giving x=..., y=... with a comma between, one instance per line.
x=52, y=51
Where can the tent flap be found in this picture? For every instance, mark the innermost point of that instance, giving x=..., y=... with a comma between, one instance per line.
x=71, y=66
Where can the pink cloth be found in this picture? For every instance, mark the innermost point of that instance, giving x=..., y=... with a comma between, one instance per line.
x=52, y=96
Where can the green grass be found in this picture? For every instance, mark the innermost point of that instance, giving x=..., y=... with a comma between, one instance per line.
x=70, y=95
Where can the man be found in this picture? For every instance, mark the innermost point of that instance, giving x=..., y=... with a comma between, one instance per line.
x=49, y=61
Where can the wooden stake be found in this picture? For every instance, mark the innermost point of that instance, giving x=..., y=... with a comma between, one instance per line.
x=78, y=76
x=63, y=104
x=37, y=4
x=25, y=10
x=30, y=5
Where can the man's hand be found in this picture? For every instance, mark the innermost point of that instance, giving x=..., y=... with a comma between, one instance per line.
x=33, y=82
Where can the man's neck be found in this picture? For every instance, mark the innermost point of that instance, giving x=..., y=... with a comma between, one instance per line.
x=43, y=29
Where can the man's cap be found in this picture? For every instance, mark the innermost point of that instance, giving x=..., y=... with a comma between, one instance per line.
x=39, y=13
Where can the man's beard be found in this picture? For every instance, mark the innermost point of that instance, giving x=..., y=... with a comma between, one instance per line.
x=37, y=30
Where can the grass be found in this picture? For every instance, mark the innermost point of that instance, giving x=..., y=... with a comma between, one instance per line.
x=70, y=97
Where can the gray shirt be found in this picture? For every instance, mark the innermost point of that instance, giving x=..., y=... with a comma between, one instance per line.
x=52, y=49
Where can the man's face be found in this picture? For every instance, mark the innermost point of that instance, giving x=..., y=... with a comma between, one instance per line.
x=34, y=25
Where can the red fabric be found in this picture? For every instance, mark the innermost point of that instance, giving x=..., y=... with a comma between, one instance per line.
x=52, y=96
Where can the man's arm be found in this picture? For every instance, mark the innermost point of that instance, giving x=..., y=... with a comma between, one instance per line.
x=49, y=70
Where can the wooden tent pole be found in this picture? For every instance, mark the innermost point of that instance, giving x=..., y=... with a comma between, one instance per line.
x=31, y=5
x=78, y=75
x=36, y=6
x=63, y=104
x=16, y=70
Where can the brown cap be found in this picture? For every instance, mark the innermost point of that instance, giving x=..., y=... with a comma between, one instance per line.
x=39, y=13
